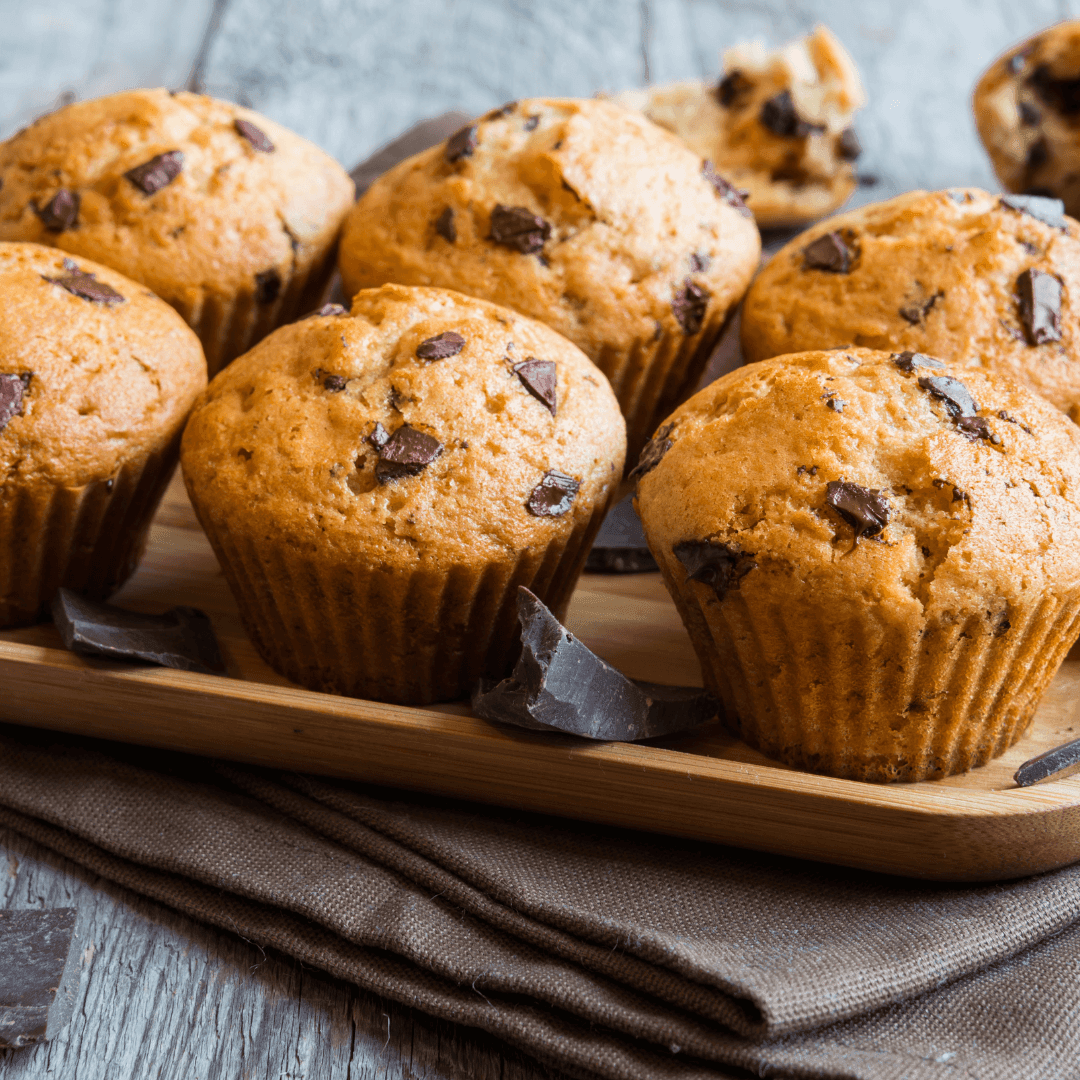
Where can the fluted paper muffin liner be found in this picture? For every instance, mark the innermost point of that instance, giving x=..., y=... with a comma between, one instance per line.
x=851, y=695
x=375, y=632
x=88, y=538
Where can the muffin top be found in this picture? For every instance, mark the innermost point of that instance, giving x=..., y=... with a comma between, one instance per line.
x=778, y=124
x=188, y=195
x=576, y=212
x=980, y=280
x=930, y=490
x=94, y=369
x=1027, y=108
x=422, y=427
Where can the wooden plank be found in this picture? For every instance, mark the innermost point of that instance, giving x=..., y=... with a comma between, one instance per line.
x=55, y=52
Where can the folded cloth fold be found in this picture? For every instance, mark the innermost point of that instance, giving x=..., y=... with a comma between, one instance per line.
x=602, y=952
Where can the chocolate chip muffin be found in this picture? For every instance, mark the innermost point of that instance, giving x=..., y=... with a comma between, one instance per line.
x=377, y=484
x=579, y=214
x=778, y=124
x=978, y=279
x=227, y=216
x=876, y=556
x=96, y=379
x=1027, y=110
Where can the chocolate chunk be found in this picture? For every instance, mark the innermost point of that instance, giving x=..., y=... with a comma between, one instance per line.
x=553, y=496
x=560, y=685
x=975, y=427
x=828, y=252
x=336, y=310
x=953, y=392
x=730, y=194
x=916, y=312
x=518, y=227
x=12, y=396
x=39, y=977
x=334, y=383
x=379, y=437
x=620, y=546
x=255, y=135
x=538, y=377
x=1058, y=763
x=61, y=211
x=700, y=262
x=849, y=146
x=1029, y=115
x=732, y=87
x=267, y=286
x=440, y=346
x=865, y=510
x=778, y=114
x=85, y=285
x=652, y=453
x=908, y=362
x=1047, y=210
x=689, y=306
x=445, y=227
x=406, y=453
x=180, y=638
x=160, y=171
x=1040, y=306
x=834, y=403
x=1060, y=94
x=720, y=566
x=462, y=143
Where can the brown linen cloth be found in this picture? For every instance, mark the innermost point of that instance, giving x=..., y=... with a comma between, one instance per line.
x=602, y=952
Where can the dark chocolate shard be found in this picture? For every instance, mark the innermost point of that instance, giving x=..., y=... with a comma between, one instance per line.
x=1040, y=306
x=12, y=396
x=1054, y=764
x=335, y=310
x=720, y=566
x=553, y=496
x=1047, y=210
x=160, y=171
x=441, y=346
x=86, y=285
x=560, y=685
x=828, y=252
x=730, y=194
x=732, y=88
x=445, y=227
x=620, y=546
x=267, y=286
x=462, y=143
x=652, y=453
x=39, y=976
x=953, y=392
x=976, y=427
x=540, y=379
x=181, y=638
x=519, y=228
x=916, y=312
x=1060, y=94
x=909, y=361
x=780, y=116
x=700, y=261
x=848, y=145
x=689, y=306
x=864, y=509
x=408, y=452
x=258, y=138
x=60, y=212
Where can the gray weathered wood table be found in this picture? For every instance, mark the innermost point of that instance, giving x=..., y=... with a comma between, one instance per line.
x=162, y=996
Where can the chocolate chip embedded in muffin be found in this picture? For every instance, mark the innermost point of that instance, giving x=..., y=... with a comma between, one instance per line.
x=256, y=137
x=160, y=171
x=780, y=116
x=864, y=509
x=718, y=565
x=461, y=144
x=519, y=228
x=909, y=362
x=61, y=211
x=79, y=283
x=445, y=227
x=732, y=195
x=689, y=306
x=406, y=453
x=653, y=452
x=1047, y=210
x=554, y=495
x=448, y=343
x=539, y=378
x=828, y=252
x=13, y=390
x=267, y=286
x=1040, y=306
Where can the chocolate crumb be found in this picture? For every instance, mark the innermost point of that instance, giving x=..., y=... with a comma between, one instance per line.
x=1012, y=420
x=553, y=496
x=60, y=212
x=258, y=138
x=689, y=306
x=1047, y=210
x=779, y=115
x=908, y=361
x=848, y=145
x=864, y=509
x=916, y=312
x=441, y=346
x=461, y=144
x=653, y=452
x=834, y=403
x=405, y=453
x=539, y=378
x=1040, y=306
x=700, y=262
x=828, y=252
x=720, y=566
x=445, y=227
x=730, y=194
x=267, y=286
x=518, y=227
x=85, y=285
x=160, y=171
x=13, y=390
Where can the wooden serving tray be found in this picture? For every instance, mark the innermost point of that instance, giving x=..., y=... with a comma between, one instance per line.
x=707, y=785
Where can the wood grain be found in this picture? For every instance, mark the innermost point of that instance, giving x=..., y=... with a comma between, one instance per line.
x=706, y=785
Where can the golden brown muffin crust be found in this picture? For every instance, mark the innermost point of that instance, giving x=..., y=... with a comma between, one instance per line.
x=938, y=272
